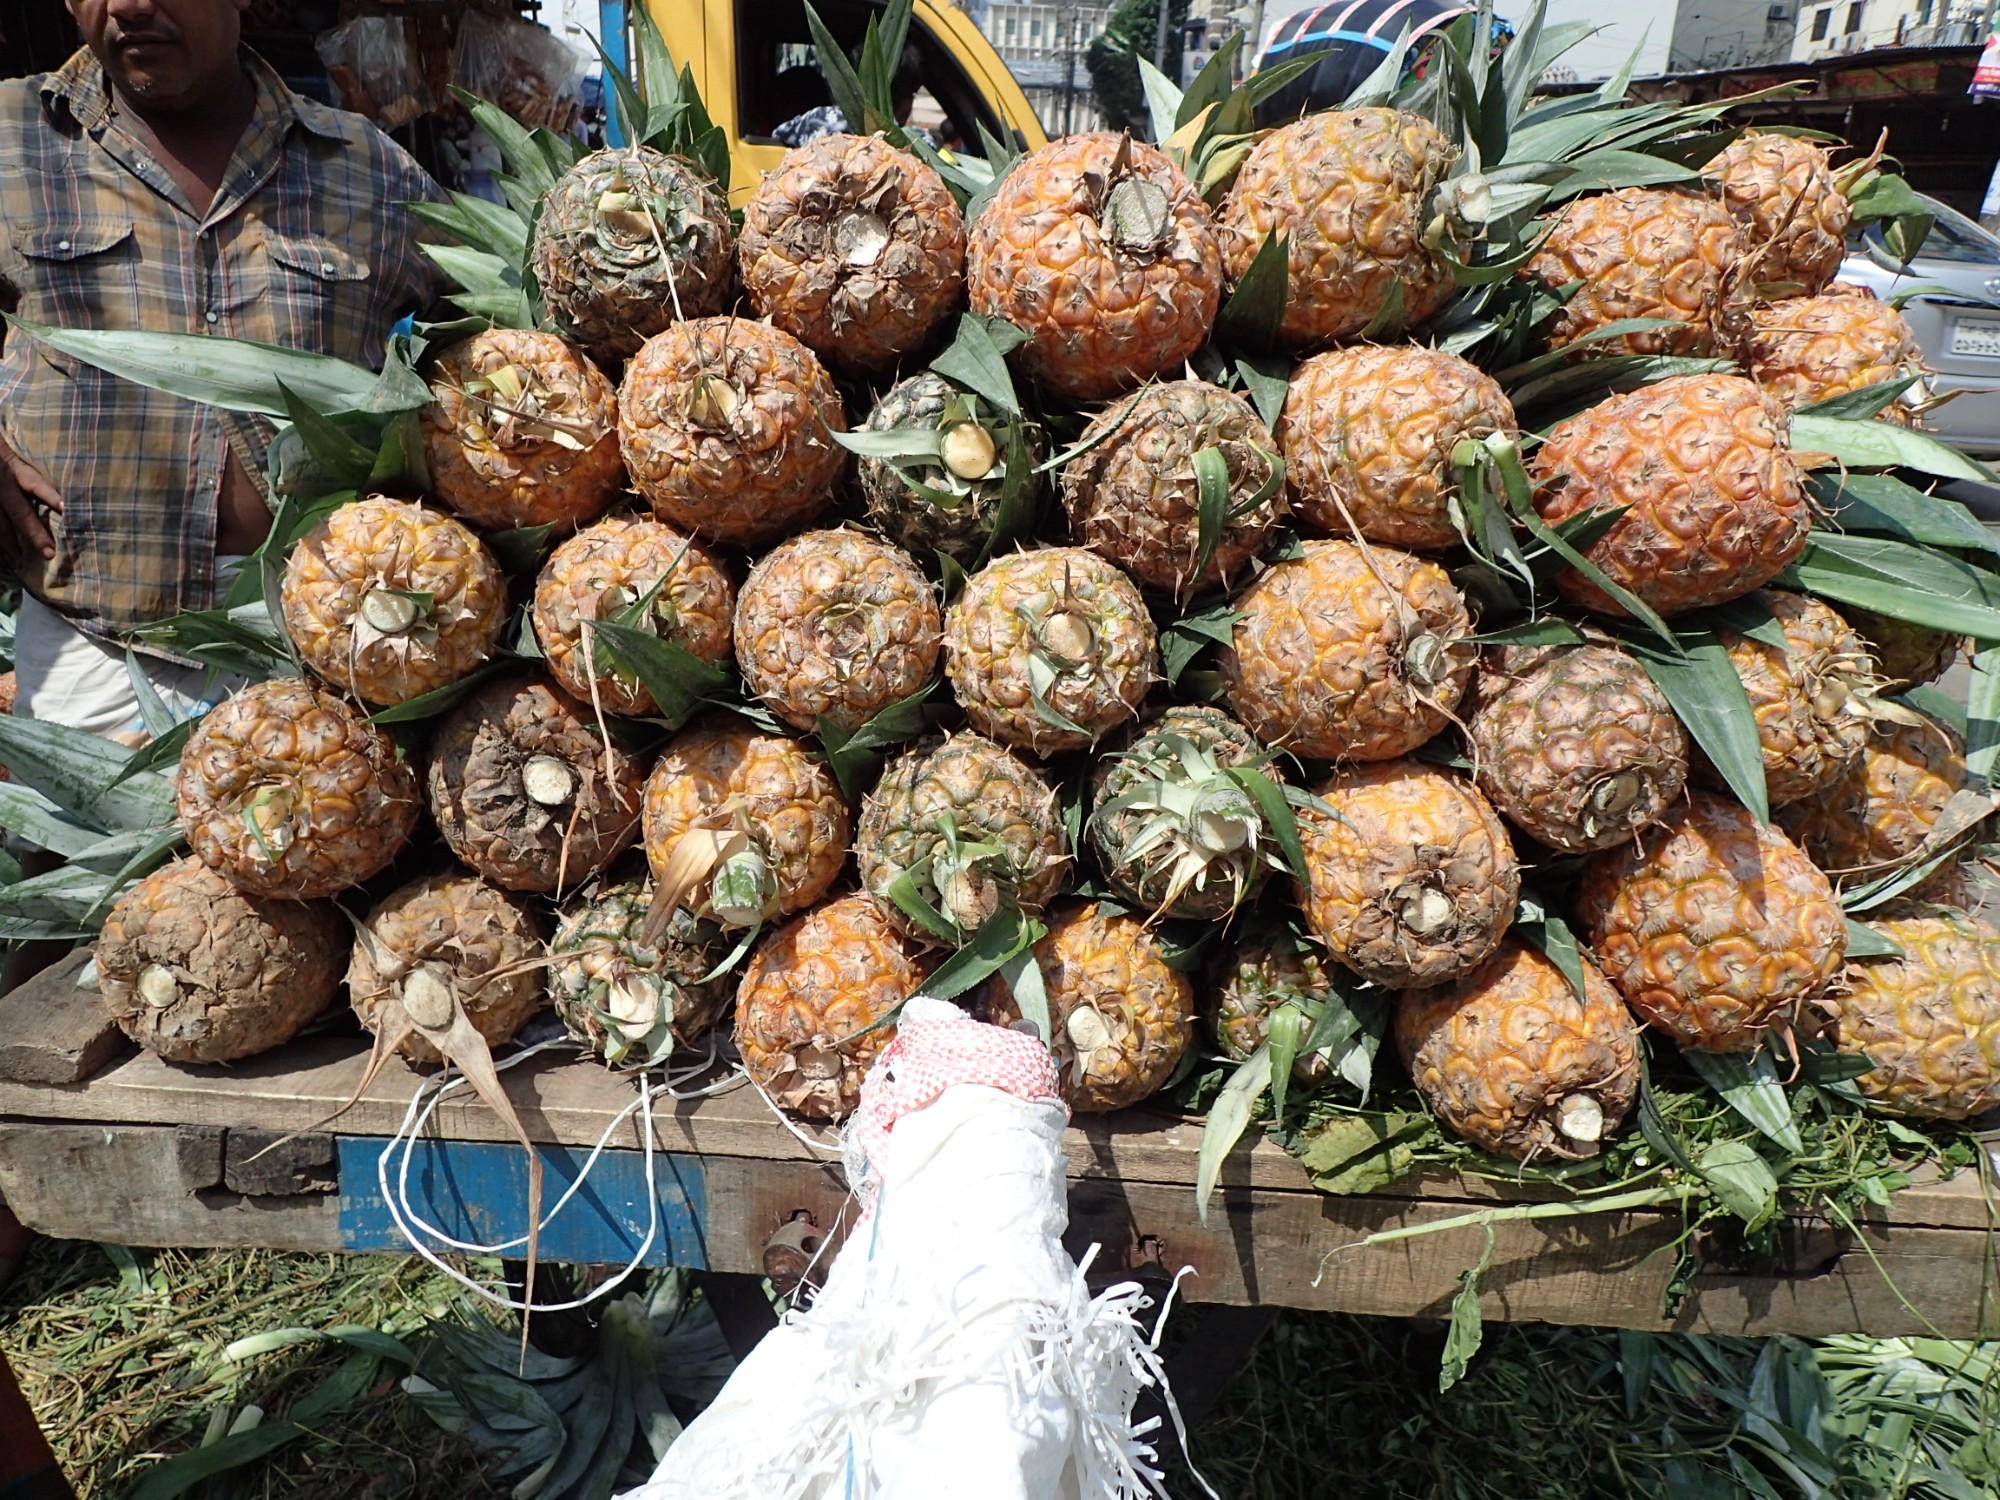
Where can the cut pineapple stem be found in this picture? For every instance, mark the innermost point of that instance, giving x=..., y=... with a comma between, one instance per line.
x=426, y=995
x=388, y=611
x=968, y=450
x=969, y=896
x=1423, y=908
x=1086, y=1030
x=548, y=780
x=1068, y=635
x=713, y=402
x=1580, y=1117
x=158, y=986
x=1138, y=214
x=1615, y=795
x=859, y=238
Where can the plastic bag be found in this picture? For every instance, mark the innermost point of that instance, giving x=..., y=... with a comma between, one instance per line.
x=532, y=75
x=371, y=62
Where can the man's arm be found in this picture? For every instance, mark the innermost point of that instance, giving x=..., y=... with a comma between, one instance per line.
x=22, y=488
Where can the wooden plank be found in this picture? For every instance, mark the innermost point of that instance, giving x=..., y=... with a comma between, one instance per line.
x=53, y=1032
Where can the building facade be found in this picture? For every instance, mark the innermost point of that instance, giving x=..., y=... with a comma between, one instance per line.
x=1829, y=28
x=1710, y=34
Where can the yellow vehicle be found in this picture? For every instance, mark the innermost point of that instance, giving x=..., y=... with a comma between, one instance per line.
x=752, y=61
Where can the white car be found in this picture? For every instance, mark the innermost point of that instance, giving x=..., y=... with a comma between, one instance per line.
x=1958, y=325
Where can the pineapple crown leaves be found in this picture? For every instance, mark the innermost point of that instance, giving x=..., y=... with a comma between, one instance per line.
x=1209, y=129
x=664, y=110
x=1214, y=512
x=957, y=886
x=865, y=90
x=855, y=758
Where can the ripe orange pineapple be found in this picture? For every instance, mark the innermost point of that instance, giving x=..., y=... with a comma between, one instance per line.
x=1576, y=745
x=522, y=431
x=390, y=600
x=809, y=1012
x=1122, y=1017
x=605, y=570
x=1102, y=252
x=1368, y=434
x=1712, y=926
x=286, y=791
x=197, y=971
x=854, y=248
x=1511, y=1059
x=1642, y=253
x=1704, y=465
x=1413, y=877
x=1885, y=803
x=1929, y=1021
x=1136, y=497
x=1349, y=654
x=1782, y=191
x=1353, y=191
x=835, y=625
x=1808, y=349
x=724, y=426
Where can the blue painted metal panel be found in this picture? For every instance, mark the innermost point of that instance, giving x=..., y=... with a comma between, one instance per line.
x=611, y=36
x=478, y=1191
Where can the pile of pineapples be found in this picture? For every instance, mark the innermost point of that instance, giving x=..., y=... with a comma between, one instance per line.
x=1328, y=689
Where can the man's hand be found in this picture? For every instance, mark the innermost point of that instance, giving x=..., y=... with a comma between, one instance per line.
x=22, y=488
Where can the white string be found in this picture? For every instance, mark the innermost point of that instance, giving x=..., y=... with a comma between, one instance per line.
x=808, y=1141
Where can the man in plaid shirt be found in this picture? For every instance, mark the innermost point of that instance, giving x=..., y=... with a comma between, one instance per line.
x=166, y=179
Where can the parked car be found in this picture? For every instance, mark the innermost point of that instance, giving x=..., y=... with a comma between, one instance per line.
x=1958, y=326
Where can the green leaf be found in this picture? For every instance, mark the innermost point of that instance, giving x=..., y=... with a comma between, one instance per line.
x=1000, y=938
x=1883, y=445
x=1023, y=977
x=677, y=680
x=1749, y=1085
x=1864, y=941
x=1163, y=101
x=1742, y=1179
x=1211, y=474
x=1228, y=1117
x=348, y=462
x=1287, y=1030
x=1558, y=944
x=1190, y=635
x=1883, y=504
x=1255, y=309
x=1465, y=1331
x=1915, y=584
x=854, y=758
x=1360, y=1153
x=1268, y=382
x=1861, y=405
x=977, y=359
x=1707, y=696
x=841, y=80
x=520, y=550
x=440, y=700
x=180, y=1474
x=1982, y=714
x=1277, y=812
x=26, y=812
x=80, y=773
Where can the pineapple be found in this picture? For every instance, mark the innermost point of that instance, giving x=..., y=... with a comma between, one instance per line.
x=1809, y=349
x=1642, y=253
x=1906, y=655
x=965, y=829
x=627, y=241
x=835, y=625
x=1122, y=1016
x=444, y=939
x=286, y=791
x=196, y=971
x=854, y=248
x=762, y=821
x=725, y=428
x=1712, y=927
x=958, y=505
x=1782, y=191
x=1412, y=876
x=1928, y=1021
x=1135, y=497
x=1173, y=833
x=521, y=431
x=390, y=600
x=1049, y=650
x=1883, y=806
x=1814, y=700
x=1512, y=1060
x=630, y=1001
x=1368, y=433
x=1715, y=507
x=1100, y=250
x=1261, y=970
x=616, y=568
x=1348, y=653
x=1575, y=745
x=813, y=1010
x=526, y=793
x=1352, y=192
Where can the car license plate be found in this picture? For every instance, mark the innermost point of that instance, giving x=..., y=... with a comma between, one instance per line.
x=1976, y=336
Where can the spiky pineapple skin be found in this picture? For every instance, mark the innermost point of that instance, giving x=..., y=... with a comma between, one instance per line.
x=1350, y=190
x=1367, y=435
x=249, y=972
x=1809, y=349
x=912, y=520
x=491, y=457
x=1712, y=925
x=1886, y=802
x=1495, y=1054
x=1704, y=465
x=720, y=765
x=616, y=563
x=1115, y=832
x=1575, y=745
x=479, y=798
x=354, y=802
x=1781, y=191
x=599, y=950
x=989, y=796
x=723, y=423
x=809, y=261
x=1107, y=979
x=1905, y=653
x=607, y=284
x=1802, y=696
x=405, y=548
x=485, y=945
x=1412, y=880
x=997, y=624
x=811, y=994
x=1642, y=253
x=1346, y=654
x=1101, y=318
x=1263, y=968
x=1929, y=1021
x=836, y=625
x=1136, y=498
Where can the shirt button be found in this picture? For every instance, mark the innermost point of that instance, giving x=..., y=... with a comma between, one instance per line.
x=212, y=318
x=62, y=244
x=326, y=268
